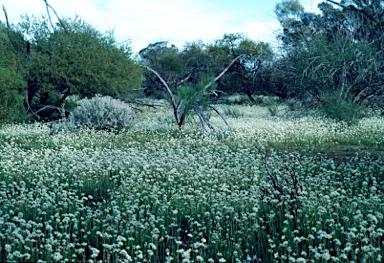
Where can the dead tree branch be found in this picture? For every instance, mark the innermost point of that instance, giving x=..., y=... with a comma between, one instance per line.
x=221, y=116
x=48, y=6
x=6, y=17
x=11, y=39
x=170, y=94
x=221, y=74
x=177, y=107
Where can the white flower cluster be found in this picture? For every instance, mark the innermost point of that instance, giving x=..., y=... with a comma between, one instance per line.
x=156, y=194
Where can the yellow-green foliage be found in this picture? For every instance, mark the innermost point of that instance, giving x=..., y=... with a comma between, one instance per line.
x=11, y=100
x=76, y=59
x=12, y=76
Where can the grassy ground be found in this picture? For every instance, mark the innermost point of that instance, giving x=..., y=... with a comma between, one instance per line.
x=268, y=189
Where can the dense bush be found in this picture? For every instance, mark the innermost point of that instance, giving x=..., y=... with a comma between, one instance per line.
x=341, y=109
x=11, y=101
x=12, y=82
x=324, y=55
x=102, y=113
x=75, y=59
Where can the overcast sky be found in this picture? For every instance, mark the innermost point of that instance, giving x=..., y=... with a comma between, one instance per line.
x=176, y=21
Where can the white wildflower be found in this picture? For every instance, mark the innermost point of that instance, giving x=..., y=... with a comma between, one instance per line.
x=57, y=256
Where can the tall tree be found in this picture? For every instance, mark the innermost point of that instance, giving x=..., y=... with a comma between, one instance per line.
x=166, y=60
x=243, y=76
x=335, y=53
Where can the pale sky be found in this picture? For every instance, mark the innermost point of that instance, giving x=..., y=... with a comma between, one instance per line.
x=176, y=21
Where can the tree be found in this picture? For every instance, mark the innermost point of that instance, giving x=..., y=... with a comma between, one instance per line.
x=333, y=54
x=168, y=63
x=197, y=60
x=240, y=78
x=186, y=75
x=243, y=76
x=74, y=59
x=190, y=97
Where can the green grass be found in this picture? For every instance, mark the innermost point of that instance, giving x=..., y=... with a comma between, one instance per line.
x=268, y=190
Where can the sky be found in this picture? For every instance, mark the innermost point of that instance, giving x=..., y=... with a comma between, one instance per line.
x=176, y=21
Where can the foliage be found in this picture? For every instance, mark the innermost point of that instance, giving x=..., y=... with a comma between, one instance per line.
x=334, y=53
x=196, y=60
x=254, y=57
x=102, y=113
x=75, y=59
x=12, y=83
x=11, y=100
x=341, y=109
x=165, y=59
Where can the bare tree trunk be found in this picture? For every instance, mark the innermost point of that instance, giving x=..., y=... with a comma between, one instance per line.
x=176, y=107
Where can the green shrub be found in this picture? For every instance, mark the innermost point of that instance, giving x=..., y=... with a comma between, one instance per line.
x=273, y=104
x=341, y=109
x=102, y=113
x=239, y=100
x=233, y=112
x=11, y=100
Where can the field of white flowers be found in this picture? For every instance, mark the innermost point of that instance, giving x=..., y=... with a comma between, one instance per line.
x=268, y=189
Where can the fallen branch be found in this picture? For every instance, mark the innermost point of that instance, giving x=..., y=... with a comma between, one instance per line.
x=218, y=113
x=203, y=120
x=170, y=94
x=47, y=107
x=142, y=103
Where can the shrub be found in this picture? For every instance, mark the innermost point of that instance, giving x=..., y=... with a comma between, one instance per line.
x=341, y=109
x=86, y=62
x=11, y=98
x=102, y=113
x=238, y=100
x=273, y=104
x=233, y=112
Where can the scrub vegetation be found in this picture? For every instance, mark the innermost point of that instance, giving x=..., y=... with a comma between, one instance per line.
x=229, y=151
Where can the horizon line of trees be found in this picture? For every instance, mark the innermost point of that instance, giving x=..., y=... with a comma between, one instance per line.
x=332, y=60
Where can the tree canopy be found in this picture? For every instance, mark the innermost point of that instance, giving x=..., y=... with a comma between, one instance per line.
x=198, y=61
x=70, y=58
x=335, y=53
x=12, y=82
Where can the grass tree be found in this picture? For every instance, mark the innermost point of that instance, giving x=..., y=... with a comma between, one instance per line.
x=190, y=97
